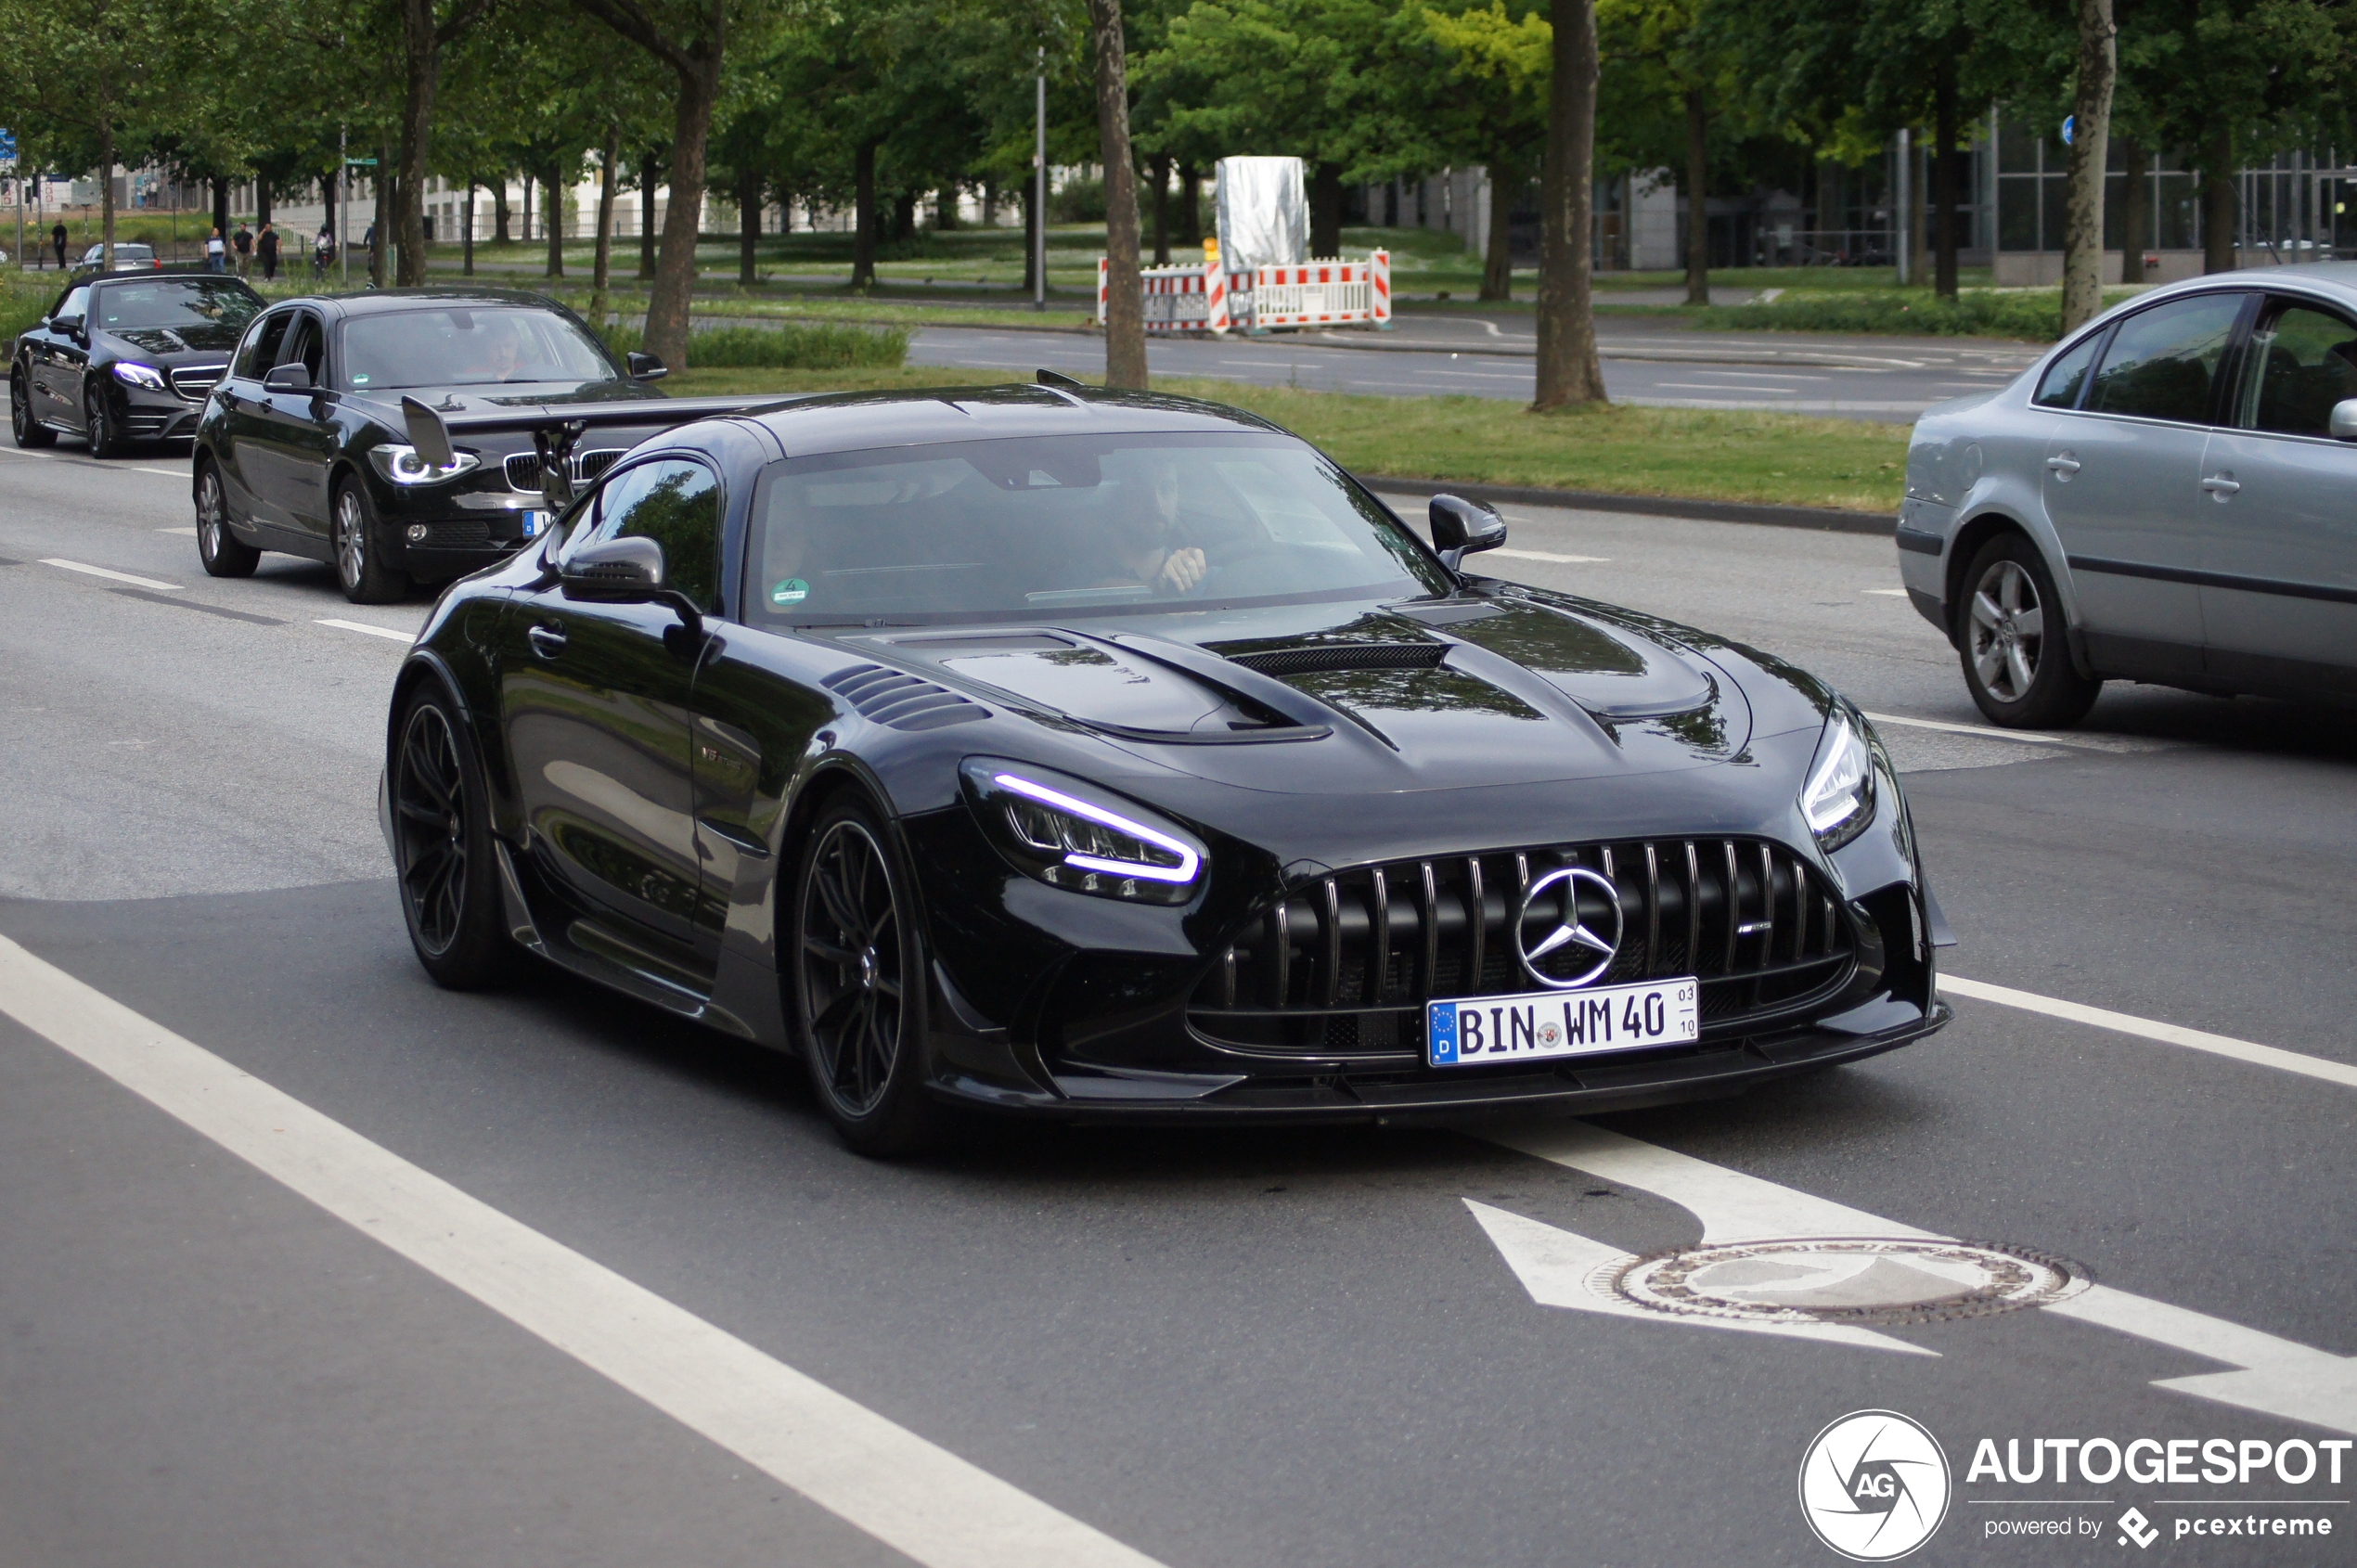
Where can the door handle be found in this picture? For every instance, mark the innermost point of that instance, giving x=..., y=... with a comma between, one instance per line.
x=2222, y=485
x=548, y=641
x=2065, y=466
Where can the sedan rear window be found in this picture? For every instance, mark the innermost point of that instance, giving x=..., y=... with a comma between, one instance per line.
x=1047, y=527
x=2162, y=362
x=470, y=347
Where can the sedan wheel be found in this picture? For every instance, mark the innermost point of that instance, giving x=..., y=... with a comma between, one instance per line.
x=98, y=427
x=860, y=986
x=2008, y=631
x=223, y=554
x=442, y=851
x=364, y=581
x=28, y=430
x=2015, y=658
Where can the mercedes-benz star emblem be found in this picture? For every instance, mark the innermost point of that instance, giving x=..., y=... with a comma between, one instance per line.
x=1591, y=950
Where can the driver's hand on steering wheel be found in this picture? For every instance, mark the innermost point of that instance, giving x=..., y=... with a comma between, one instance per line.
x=1181, y=570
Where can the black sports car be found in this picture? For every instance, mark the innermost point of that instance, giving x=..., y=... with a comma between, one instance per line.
x=126, y=358
x=305, y=447
x=1097, y=755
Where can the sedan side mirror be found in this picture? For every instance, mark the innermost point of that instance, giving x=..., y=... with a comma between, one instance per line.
x=2344, y=420
x=647, y=367
x=287, y=378
x=627, y=571
x=69, y=325
x=1459, y=527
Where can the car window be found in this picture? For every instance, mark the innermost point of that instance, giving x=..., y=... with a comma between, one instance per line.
x=2298, y=365
x=2066, y=377
x=178, y=301
x=2161, y=361
x=260, y=351
x=306, y=345
x=76, y=302
x=466, y=347
x=676, y=504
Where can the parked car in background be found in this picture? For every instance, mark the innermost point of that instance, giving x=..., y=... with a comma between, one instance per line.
x=2170, y=497
x=129, y=256
x=122, y=359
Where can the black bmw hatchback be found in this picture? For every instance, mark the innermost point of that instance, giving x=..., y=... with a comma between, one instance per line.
x=122, y=359
x=1085, y=754
x=304, y=448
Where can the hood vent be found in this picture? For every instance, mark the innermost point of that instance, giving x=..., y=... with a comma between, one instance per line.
x=900, y=701
x=1316, y=660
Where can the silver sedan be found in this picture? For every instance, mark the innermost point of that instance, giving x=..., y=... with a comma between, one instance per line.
x=2170, y=497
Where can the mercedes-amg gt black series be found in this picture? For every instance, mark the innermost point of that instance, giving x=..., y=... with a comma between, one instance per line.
x=1093, y=754
x=121, y=359
x=304, y=448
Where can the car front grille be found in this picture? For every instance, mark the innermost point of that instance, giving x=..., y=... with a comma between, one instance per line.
x=1344, y=964
x=524, y=467
x=192, y=381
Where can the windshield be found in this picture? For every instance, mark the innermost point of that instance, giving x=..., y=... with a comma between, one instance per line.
x=462, y=347
x=179, y=302
x=1056, y=526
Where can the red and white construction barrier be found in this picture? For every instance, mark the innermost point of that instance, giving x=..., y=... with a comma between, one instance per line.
x=1208, y=298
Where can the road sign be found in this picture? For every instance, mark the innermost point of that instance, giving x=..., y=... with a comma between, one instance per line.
x=2070, y=128
x=359, y=162
x=8, y=151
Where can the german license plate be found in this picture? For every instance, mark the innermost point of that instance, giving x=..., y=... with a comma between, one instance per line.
x=533, y=522
x=1474, y=1031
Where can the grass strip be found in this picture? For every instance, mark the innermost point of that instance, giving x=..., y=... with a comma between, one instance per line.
x=1782, y=460
x=821, y=346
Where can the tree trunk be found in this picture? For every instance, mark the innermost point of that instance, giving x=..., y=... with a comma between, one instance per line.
x=380, y=217
x=1189, y=204
x=608, y=181
x=1159, y=166
x=502, y=216
x=1697, y=196
x=1946, y=161
x=523, y=216
x=106, y=191
x=261, y=201
x=1498, y=264
x=1568, y=371
x=674, y=288
x=2218, y=201
x=863, y=216
x=1325, y=209
x=647, y=167
x=221, y=206
x=2082, y=294
x=990, y=202
x=553, y=217
x=748, y=227
x=467, y=238
x=944, y=207
x=903, y=216
x=421, y=75
x=2135, y=211
x=1125, y=292
x=1030, y=235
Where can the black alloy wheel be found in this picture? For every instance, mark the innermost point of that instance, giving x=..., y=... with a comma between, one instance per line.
x=223, y=554
x=443, y=849
x=99, y=426
x=352, y=535
x=2011, y=638
x=29, y=430
x=859, y=991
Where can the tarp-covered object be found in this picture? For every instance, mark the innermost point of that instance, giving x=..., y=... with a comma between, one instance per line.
x=1264, y=213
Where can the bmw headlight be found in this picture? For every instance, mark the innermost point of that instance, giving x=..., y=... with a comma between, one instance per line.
x=402, y=466
x=1838, y=799
x=1074, y=836
x=146, y=376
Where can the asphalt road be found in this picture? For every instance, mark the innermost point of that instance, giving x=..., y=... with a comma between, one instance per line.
x=1287, y=1347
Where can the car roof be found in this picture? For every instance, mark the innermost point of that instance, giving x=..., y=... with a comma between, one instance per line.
x=386, y=302
x=860, y=421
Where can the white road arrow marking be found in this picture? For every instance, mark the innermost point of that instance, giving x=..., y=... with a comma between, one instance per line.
x=2275, y=1376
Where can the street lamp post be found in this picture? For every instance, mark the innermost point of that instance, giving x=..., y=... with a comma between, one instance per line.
x=1040, y=188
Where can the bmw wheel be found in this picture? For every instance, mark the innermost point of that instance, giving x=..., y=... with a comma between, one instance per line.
x=223, y=554
x=2011, y=636
x=364, y=578
x=443, y=850
x=29, y=432
x=859, y=985
x=98, y=427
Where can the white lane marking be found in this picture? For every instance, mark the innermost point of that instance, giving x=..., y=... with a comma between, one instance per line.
x=184, y=532
x=363, y=627
x=1888, y=593
x=168, y=473
x=112, y=576
x=920, y=1499
x=2278, y=1377
x=89, y=463
x=2150, y=1029
x=1546, y=555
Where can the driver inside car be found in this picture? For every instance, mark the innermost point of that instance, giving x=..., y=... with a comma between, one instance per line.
x=1150, y=543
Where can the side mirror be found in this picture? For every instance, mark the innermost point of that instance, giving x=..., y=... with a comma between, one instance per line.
x=647, y=367
x=287, y=378
x=2344, y=420
x=629, y=571
x=69, y=325
x=1459, y=527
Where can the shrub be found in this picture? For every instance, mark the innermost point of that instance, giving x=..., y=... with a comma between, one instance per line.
x=819, y=346
x=2031, y=313
x=1083, y=201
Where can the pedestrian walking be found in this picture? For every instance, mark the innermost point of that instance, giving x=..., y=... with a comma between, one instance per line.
x=242, y=242
x=217, y=253
x=265, y=250
x=57, y=237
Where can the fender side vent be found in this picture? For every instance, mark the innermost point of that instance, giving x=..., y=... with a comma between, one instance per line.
x=1281, y=662
x=900, y=701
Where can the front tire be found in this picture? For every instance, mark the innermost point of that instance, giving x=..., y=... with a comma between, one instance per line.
x=223, y=554
x=352, y=535
x=443, y=849
x=2010, y=636
x=858, y=984
x=29, y=432
x=98, y=427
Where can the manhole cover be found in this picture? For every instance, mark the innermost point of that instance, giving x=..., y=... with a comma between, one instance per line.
x=1846, y=1279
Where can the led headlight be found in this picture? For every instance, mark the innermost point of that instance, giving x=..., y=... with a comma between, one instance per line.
x=1838, y=799
x=402, y=466
x=1072, y=835
x=146, y=376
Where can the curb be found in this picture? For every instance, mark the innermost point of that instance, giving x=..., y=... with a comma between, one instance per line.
x=1822, y=519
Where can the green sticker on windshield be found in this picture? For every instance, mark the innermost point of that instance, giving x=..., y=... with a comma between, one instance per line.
x=793, y=591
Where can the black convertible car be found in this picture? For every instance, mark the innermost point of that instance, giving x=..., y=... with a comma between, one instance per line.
x=122, y=359
x=1097, y=755
x=306, y=448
